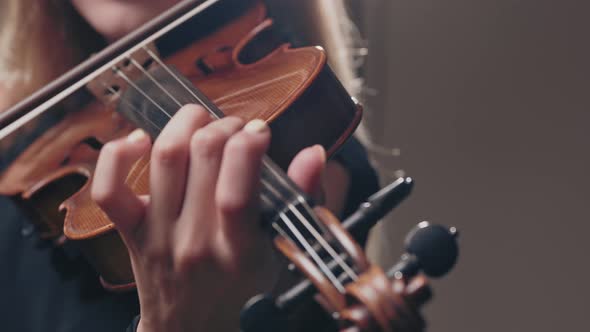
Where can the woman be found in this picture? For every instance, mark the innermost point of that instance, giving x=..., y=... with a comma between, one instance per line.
x=192, y=251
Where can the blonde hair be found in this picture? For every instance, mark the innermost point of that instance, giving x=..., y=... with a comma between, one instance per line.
x=41, y=39
x=327, y=23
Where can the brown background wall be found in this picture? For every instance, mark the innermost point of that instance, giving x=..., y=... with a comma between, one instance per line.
x=489, y=103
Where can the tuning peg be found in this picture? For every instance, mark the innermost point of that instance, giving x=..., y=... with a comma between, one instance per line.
x=430, y=248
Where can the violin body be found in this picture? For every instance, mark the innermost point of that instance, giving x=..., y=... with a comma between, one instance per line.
x=292, y=89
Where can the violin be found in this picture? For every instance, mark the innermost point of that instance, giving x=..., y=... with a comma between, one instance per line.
x=235, y=63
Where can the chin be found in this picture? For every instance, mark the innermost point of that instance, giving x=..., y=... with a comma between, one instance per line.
x=114, y=19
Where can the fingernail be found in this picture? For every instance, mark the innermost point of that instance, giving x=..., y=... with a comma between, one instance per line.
x=136, y=136
x=255, y=126
x=321, y=150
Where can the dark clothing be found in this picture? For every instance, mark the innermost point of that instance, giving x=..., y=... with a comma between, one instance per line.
x=47, y=289
x=51, y=289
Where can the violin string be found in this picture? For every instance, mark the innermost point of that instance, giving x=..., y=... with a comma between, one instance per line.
x=314, y=255
x=171, y=73
x=130, y=82
x=323, y=243
x=115, y=92
x=266, y=163
x=147, y=73
x=284, y=217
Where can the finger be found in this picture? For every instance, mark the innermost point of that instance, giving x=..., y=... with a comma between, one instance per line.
x=238, y=187
x=168, y=171
x=109, y=190
x=306, y=170
x=206, y=151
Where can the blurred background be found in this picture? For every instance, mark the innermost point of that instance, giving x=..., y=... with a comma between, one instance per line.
x=485, y=105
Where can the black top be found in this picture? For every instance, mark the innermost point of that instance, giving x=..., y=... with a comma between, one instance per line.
x=53, y=289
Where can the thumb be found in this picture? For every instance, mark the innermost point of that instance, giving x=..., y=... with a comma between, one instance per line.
x=306, y=171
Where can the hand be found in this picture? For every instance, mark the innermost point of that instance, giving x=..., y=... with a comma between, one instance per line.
x=196, y=245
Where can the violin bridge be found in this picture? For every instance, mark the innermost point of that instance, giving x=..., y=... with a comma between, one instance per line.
x=111, y=84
